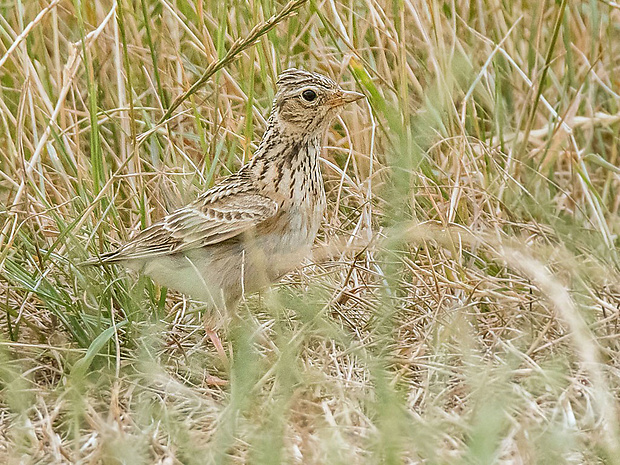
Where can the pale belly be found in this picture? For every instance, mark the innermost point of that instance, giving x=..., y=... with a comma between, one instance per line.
x=220, y=274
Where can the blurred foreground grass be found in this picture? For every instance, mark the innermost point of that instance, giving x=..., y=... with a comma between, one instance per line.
x=462, y=304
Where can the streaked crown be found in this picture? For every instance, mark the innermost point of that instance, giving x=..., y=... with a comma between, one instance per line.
x=293, y=79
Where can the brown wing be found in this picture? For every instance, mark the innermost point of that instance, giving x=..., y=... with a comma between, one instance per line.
x=217, y=215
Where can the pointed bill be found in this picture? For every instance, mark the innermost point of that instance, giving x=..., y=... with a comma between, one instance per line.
x=349, y=96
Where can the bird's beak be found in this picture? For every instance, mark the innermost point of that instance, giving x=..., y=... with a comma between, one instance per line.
x=345, y=96
x=349, y=96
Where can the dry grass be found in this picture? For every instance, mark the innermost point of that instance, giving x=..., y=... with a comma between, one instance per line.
x=462, y=305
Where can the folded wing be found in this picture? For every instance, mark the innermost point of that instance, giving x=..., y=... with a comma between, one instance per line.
x=213, y=218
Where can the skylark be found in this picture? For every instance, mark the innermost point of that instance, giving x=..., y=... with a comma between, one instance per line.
x=257, y=224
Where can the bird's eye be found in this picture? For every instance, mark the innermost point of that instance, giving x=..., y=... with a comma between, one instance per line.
x=308, y=95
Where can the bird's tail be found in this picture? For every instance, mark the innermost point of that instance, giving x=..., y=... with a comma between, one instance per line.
x=108, y=258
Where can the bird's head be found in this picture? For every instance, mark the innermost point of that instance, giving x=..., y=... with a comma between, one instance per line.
x=307, y=102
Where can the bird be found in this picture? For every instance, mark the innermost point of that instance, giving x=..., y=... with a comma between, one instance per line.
x=257, y=224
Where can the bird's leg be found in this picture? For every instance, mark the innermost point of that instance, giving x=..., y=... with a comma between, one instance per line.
x=216, y=318
x=219, y=317
x=217, y=343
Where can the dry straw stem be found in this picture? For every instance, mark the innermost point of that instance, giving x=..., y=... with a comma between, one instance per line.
x=235, y=49
x=20, y=38
x=521, y=257
x=70, y=70
x=583, y=340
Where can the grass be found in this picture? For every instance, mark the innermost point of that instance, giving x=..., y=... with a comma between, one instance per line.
x=461, y=305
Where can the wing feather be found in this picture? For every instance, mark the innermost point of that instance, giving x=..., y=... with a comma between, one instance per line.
x=215, y=217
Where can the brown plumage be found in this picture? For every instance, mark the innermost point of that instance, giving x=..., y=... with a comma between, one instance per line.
x=257, y=224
